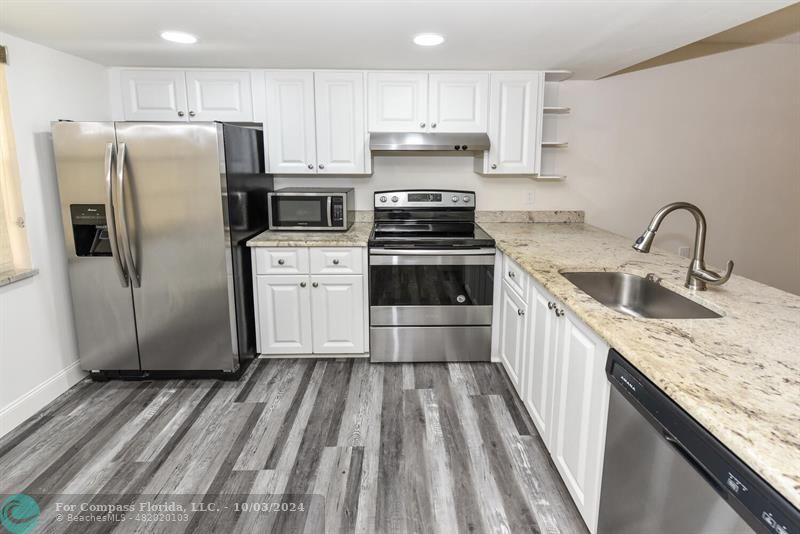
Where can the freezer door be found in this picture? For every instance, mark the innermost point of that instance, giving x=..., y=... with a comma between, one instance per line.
x=172, y=195
x=101, y=295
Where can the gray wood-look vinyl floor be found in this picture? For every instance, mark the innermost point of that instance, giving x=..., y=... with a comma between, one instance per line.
x=360, y=447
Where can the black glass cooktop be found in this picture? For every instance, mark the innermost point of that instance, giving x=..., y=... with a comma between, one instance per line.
x=395, y=234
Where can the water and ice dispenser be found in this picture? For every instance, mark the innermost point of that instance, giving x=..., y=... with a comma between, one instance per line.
x=90, y=230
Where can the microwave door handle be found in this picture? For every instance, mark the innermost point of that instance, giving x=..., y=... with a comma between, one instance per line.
x=111, y=223
x=126, y=239
x=330, y=212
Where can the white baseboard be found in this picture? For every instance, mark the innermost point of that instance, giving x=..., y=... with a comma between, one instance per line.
x=24, y=406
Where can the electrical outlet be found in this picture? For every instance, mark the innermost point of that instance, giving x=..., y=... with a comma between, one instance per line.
x=683, y=252
x=529, y=199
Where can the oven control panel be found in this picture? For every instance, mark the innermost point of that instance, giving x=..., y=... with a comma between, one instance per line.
x=439, y=199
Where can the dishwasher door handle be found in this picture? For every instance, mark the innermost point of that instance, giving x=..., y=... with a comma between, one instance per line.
x=700, y=468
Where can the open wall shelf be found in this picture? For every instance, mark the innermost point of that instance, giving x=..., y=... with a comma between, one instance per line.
x=561, y=110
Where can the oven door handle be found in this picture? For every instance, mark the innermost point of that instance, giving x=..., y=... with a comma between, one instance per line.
x=426, y=257
x=432, y=252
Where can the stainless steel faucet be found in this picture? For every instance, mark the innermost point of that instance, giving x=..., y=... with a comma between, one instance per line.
x=698, y=276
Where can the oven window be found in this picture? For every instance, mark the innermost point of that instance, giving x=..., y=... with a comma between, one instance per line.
x=299, y=211
x=431, y=285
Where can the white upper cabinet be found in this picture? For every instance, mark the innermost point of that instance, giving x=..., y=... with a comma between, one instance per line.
x=219, y=95
x=340, y=124
x=580, y=414
x=290, y=129
x=398, y=101
x=154, y=95
x=458, y=101
x=515, y=123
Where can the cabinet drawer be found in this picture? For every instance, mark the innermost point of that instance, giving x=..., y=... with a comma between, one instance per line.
x=281, y=260
x=336, y=260
x=516, y=277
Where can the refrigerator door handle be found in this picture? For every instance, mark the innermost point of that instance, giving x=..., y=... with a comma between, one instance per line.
x=111, y=219
x=132, y=271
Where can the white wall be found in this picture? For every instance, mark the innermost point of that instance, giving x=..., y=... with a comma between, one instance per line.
x=720, y=131
x=38, y=354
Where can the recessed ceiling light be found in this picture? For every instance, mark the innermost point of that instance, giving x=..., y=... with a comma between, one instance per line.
x=428, y=39
x=179, y=37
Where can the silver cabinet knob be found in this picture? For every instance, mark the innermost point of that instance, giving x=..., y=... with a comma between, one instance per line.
x=422, y=125
x=551, y=305
x=494, y=165
x=192, y=113
x=559, y=313
x=181, y=114
x=336, y=262
x=310, y=165
x=315, y=284
x=302, y=284
x=520, y=312
x=281, y=261
x=321, y=166
x=511, y=274
x=433, y=125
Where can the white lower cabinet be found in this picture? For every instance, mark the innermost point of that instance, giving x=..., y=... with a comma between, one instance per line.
x=284, y=311
x=580, y=414
x=557, y=365
x=512, y=333
x=540, y=360
x=337, y=313
x=306, y=311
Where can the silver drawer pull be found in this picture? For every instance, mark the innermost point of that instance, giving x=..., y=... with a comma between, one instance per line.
x=511, y=274
x=281, y=262
x=302, y=284
x=520, y=312
x=551, y=305
x=336, y=262
x=314, y=284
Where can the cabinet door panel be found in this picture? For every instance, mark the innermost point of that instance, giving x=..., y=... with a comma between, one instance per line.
x=515, y=110
x=397, y=101
x=458, y=101
x=219, y=95
x=540, y=361
x=291, y=140
x=284, y=312
x=512, y=334
x=340, y=122
x=581, y=411
x=338, y=314
x=154, y=95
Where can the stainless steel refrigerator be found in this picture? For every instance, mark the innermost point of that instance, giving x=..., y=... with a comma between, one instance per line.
x=156, y=216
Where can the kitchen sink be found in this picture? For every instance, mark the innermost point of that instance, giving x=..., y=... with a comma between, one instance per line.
x=636, y=296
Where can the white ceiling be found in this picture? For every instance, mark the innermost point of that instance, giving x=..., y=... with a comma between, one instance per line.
x=591, y=38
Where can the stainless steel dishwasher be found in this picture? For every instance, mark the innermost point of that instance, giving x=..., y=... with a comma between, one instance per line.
x=665, y=474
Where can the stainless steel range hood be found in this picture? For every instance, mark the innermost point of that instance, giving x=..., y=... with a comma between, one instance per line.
x=428, y=142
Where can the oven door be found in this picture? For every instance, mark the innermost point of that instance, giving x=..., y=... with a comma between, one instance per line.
x=414, y=287
x=299, y=212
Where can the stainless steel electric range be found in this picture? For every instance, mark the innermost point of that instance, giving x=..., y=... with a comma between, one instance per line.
x=431, y=278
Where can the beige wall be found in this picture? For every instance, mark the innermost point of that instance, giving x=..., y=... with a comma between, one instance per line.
x=721, y=131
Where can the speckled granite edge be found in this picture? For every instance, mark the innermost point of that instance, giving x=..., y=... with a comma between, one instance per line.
x=356, y=236
x=9, y=277
x=738, y=376
x=536, y=216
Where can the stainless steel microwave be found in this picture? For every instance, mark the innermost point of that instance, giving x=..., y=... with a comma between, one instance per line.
x=311, y=208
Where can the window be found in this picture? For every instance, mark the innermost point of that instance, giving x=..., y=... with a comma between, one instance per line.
x=14, y=255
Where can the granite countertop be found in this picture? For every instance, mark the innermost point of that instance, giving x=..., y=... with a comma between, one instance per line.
x=738, y=376
x=356, y=236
